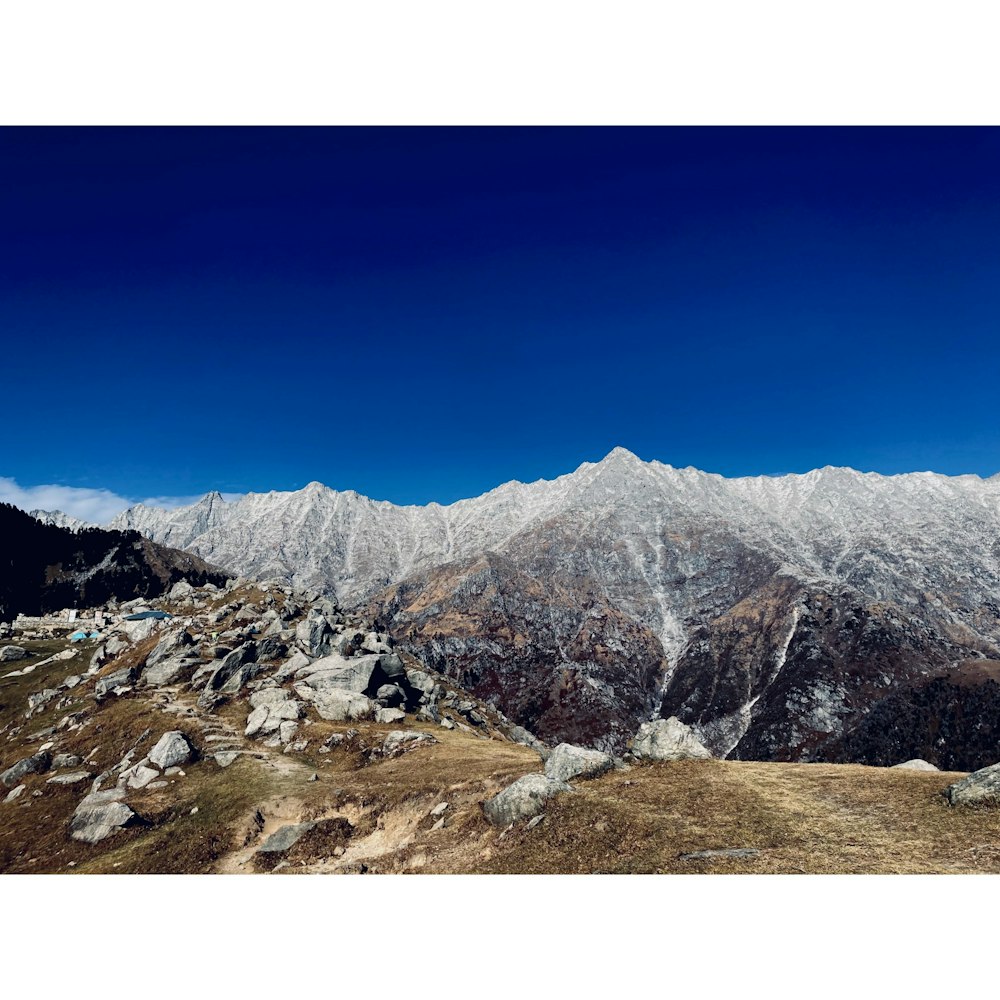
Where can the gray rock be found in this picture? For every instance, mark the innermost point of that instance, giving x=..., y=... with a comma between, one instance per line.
x=392, y=666
x=296, y=662
x=982, y=787
x=170, y=670
x=725, y=852
x=69, y=778
x=287, y=731
x=138, y=776
x=269, y=696
x=180, y=589
x=40, y=699
x=567, y=762
x=120, y=678
x=256, y=721
x=390, y=696
x=8, y=654
x=71, y=682
x=314, y=635
x=15, y=793
x=100, y=815
x=271, y=648
x=439, y=810
x=226, y=757
x=140, y=630
x=523, y=799
x=420, y=680
x=337, y=706
x=521, y=735
x=388, y=716
x=356, y=675
x=916, y=765
x=65, y=760
x=172, y=748
x=38, y=763
x=532, y=823
x=229, y=667
x=668, y=739
x=402, y=740
x=170, y=645
x=285, y=838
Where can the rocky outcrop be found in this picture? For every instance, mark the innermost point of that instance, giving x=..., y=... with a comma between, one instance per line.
x=916, y=765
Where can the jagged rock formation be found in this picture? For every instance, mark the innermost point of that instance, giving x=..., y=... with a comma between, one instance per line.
x=769, y=613
x=60, y=520
x=46, y=567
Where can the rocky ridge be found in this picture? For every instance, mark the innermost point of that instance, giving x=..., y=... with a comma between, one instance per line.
x=772, y=614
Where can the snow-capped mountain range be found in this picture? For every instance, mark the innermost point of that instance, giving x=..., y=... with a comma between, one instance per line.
x=626, y=587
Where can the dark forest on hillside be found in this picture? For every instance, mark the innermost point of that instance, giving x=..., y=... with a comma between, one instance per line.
x=44, y=568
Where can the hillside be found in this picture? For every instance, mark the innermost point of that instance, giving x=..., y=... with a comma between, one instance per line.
x=262, y=729
x=771, y=613
x=45, y=567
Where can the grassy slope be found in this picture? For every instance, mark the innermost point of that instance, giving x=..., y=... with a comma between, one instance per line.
x=801, y=817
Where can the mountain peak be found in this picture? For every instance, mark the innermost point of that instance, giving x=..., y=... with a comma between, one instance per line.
x=620, y=454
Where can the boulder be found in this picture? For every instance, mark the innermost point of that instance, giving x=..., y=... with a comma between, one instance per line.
x=230, y=675
x=982, y=787
x=139, y=630
x=120, y=678
x=171, y=748
x=296, y=662
x=169, y=645
x=420, y=680
x=337, y=706
x=268, y=696
x=226, y=757
x=38, y=763
x=567, y=762
x=100, y=815
x=255, y=721
x=390, y=695
x=138, y=776
x=668, y=739
x=523, y=799
x=389, y=715
x=285, y=838
x=270, y=648
x=15, y=793
x=180, y=589
x=314, y=636
x=169, y=670
x=359, y=674
x=917, y=765
x=69, y=778
x=65, y=760
x=8, y=654
x=521, y=735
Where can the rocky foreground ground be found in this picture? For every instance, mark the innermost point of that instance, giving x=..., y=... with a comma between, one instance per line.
x=260, y=728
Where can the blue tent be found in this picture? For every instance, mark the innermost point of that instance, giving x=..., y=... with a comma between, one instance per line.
x=78, y=635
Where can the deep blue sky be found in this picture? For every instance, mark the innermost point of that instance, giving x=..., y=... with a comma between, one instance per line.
x=423, y=314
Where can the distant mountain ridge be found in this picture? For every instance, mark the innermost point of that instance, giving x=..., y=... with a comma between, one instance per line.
x=766, y=611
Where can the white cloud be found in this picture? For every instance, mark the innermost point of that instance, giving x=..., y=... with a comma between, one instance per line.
x=94, y=506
